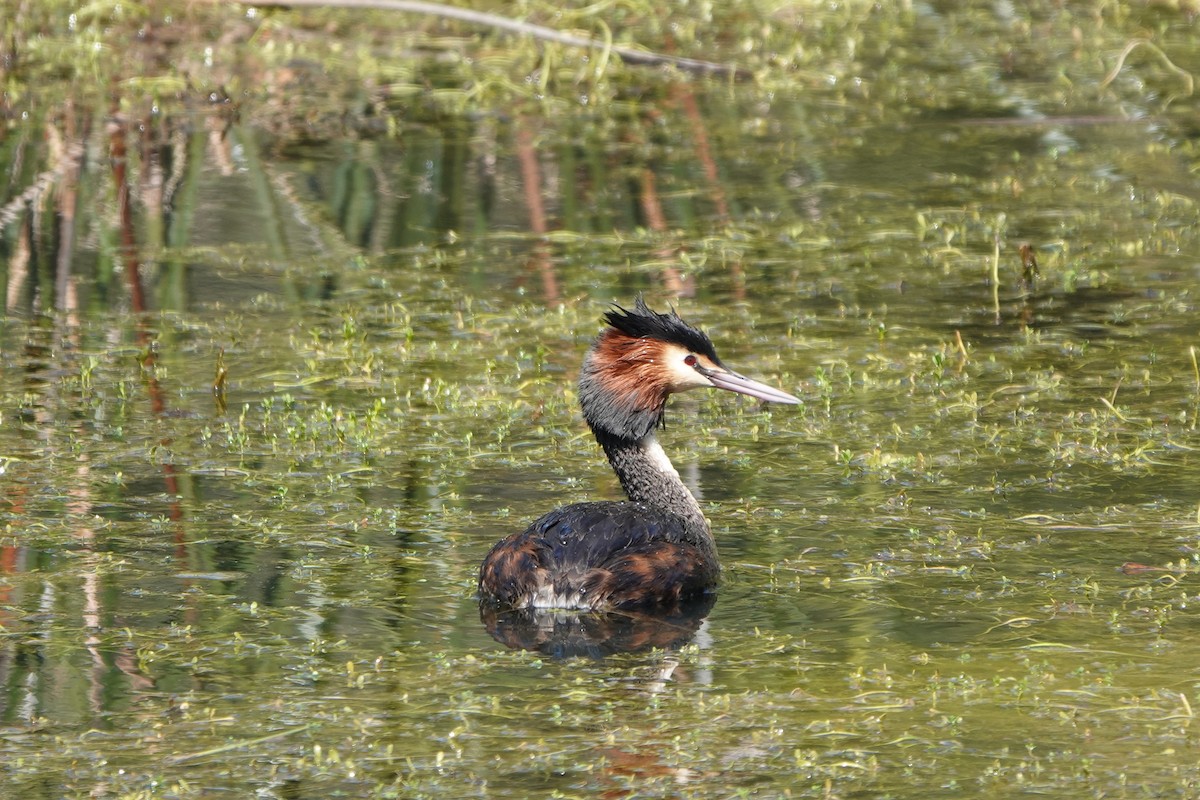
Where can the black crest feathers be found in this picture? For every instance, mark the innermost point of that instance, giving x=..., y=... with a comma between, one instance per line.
x=644, y=323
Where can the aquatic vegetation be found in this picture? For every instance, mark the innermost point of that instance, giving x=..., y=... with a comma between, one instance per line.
x=241, y=517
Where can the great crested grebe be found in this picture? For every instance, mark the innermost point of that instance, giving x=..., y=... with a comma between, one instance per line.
x=656, y=550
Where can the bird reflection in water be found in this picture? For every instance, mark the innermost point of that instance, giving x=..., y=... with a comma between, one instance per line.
x=567, y=633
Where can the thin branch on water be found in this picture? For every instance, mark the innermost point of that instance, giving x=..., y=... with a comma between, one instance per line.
x=627, y=54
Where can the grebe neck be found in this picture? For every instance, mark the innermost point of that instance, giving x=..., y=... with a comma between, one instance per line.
x=648, y=477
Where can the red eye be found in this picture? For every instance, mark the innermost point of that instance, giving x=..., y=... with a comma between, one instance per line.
x=691, y=360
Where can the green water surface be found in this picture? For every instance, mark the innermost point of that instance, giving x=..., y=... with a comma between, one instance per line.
x=963, y=567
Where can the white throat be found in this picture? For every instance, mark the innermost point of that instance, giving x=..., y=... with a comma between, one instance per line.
x=658, y=456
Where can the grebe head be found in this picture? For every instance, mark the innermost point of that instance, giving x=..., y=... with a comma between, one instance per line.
x=641, y=359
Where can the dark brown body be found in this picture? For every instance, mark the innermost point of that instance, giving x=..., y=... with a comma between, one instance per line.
x=600, y=556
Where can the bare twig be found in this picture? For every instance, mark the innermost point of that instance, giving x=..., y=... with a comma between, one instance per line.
x=627, y=54
x=962, y=348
